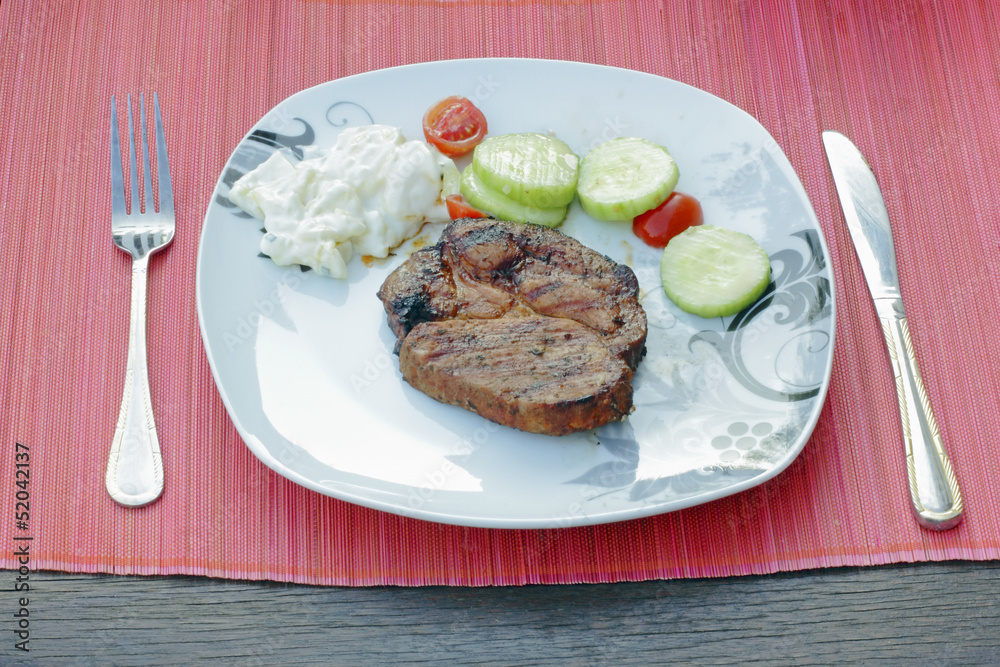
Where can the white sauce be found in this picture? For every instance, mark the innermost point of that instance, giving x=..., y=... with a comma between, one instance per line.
x=368, y=193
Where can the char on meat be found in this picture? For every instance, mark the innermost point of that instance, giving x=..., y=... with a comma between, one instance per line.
x=519, y=323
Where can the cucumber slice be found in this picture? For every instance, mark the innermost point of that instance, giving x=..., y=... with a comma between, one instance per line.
x=497, y=204
x=624, y=177
x=714, y=272
x=532, y=169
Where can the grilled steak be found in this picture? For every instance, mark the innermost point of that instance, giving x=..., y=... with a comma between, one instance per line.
x=519, y=323
x=540, y=374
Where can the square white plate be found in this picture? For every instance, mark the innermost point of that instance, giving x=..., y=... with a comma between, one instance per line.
x=305, y=366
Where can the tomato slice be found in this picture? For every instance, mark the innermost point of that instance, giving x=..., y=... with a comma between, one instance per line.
x=459, y=208
x=658, y=225
x=454, y=125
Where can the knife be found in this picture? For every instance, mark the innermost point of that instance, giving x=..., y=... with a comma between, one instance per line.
x=936, y=497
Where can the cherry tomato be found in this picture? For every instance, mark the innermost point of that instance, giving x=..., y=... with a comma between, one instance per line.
x=657, y=226
x=454, y=126
x=459, y=208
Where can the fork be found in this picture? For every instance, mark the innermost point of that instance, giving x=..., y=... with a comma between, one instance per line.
x=135, y=467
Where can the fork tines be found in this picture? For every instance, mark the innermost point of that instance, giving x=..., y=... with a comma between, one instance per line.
x=145, y=203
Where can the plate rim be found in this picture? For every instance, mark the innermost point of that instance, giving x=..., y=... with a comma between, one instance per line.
x=519, y=523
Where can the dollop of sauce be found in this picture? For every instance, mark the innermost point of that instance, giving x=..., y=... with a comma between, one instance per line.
x=368, y=193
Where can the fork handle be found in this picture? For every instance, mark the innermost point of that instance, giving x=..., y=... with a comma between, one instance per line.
x=135, y=467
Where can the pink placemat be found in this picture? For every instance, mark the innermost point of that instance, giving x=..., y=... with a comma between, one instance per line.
x=914, y=84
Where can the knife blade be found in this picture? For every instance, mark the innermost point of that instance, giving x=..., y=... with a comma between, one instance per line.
x=935, y=496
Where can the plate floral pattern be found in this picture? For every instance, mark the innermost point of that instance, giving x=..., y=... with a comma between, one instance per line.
x=721, y=404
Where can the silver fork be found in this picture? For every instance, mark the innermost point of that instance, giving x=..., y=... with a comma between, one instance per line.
x=135, y=467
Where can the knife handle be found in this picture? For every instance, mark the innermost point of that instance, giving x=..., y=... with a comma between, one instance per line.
x=937, y=500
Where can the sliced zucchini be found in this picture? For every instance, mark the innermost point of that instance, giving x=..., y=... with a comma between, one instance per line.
x=501, y=206
x=532, y=169
x=624, y=177
x=714, y=272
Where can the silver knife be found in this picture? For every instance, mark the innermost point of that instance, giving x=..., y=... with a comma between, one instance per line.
x=937, y=500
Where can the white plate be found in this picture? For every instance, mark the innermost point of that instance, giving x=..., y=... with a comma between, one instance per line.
x=305, y=367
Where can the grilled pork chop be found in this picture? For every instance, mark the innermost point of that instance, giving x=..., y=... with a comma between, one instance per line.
x=540, y=374
x=519, y=323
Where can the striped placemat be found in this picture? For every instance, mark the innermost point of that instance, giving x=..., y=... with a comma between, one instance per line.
x=914, y=84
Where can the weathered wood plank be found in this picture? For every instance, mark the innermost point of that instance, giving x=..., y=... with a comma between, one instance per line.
x=948, y=612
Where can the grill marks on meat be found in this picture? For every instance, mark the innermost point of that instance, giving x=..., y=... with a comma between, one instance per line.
x=538, y=374
x=519, y=323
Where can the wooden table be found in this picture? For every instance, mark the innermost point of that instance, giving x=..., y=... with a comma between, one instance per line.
x=921, y=613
